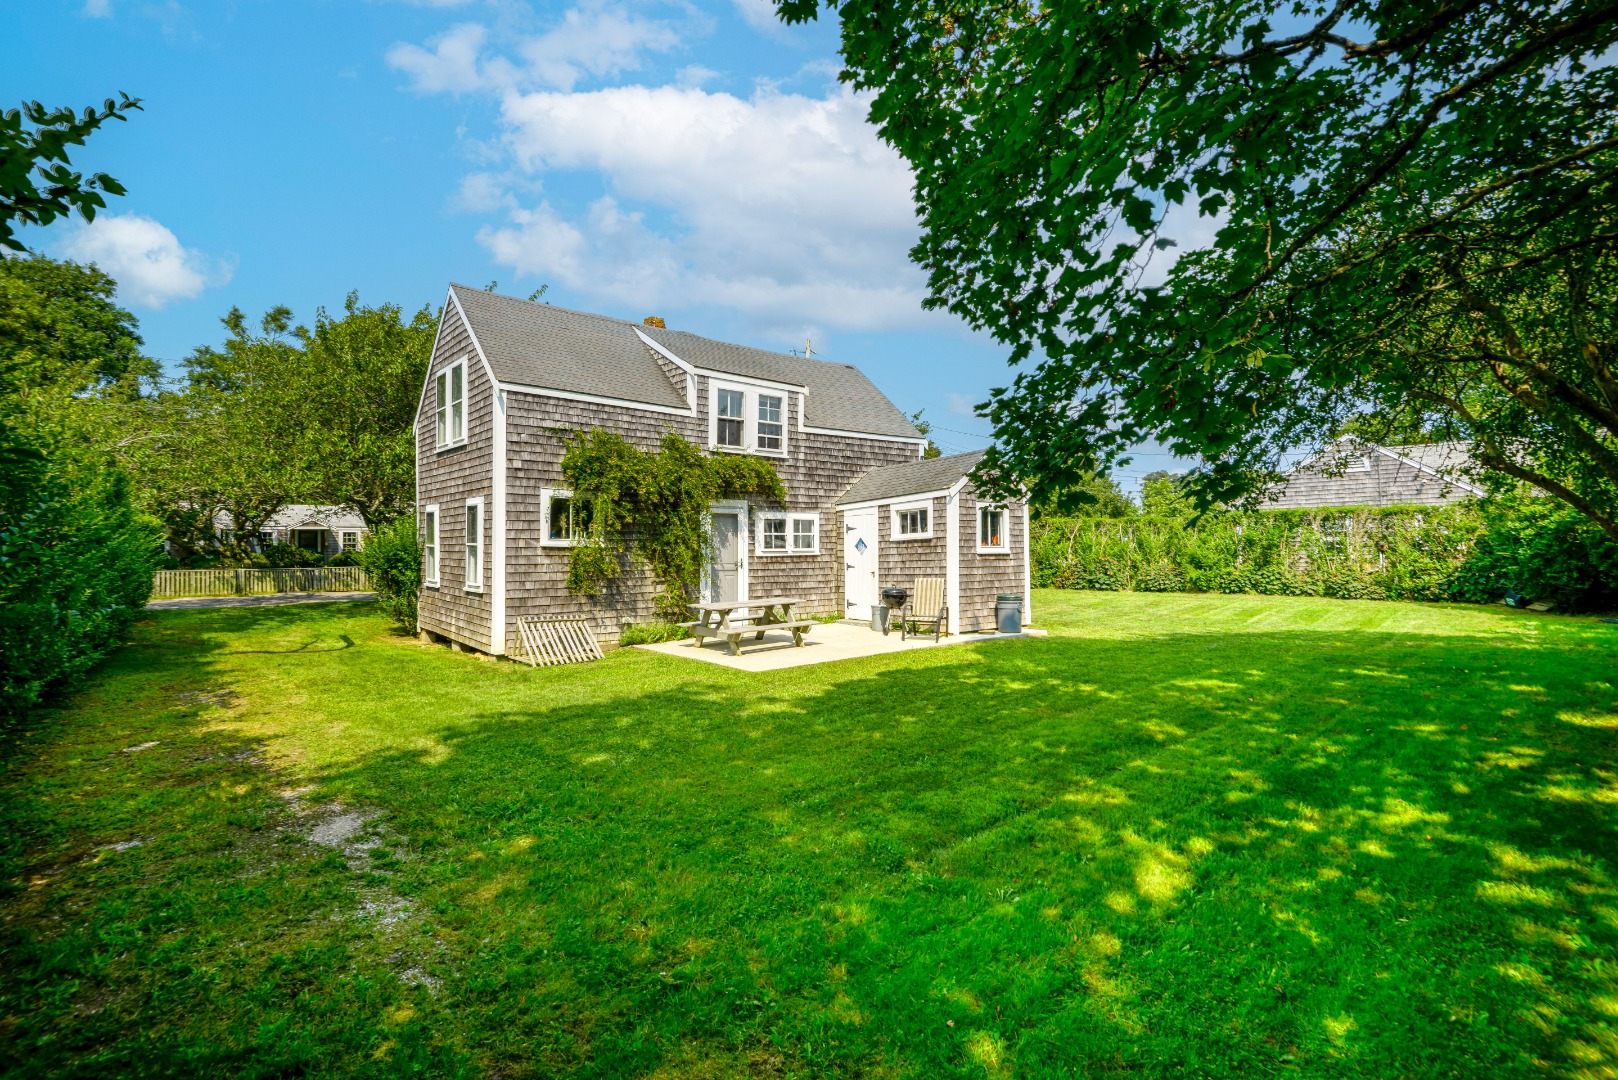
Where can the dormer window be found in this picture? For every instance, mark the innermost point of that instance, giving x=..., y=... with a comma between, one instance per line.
x=769, y=422
x=732, y=422
x=747, y=419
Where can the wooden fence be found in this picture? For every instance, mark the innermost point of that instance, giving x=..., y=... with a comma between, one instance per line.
x=173, y=584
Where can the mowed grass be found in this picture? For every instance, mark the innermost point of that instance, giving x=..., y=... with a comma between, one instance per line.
x=1182, y=836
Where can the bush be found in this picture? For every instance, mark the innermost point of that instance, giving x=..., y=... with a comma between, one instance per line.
x=651, y=633
x=76, y=565
x=345, y=558
x=392, y=559
x=1545, y=551
x=283, y=556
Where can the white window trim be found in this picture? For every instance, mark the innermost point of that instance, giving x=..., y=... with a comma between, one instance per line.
x=473, y=583
x=545, y=497
x=899, y=508
x=447, y=374
x=789, y=519
x=750, y=394
x=1004, y=547
x=438, y=549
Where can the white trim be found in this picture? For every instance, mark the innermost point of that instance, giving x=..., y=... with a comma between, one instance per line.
x=657, y=347
x=488, y=369
x=497, y=532
x=920, y=496
x=920, y=444
x=1027, y=570
x=546, y=494
x=789, y=520
x=907, y=508
x=438, y=548
x=595, y=399
x=468, y=564
x=952, y=556
x=750, y=393
x=1004, y=546
x=438, y=335
x=447, y=374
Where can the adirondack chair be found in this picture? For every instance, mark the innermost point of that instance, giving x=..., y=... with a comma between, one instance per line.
x=926, y=606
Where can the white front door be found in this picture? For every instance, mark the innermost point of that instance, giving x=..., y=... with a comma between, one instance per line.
x=859, y=563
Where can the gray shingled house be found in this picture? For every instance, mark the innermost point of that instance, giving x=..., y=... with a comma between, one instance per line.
x=1353, y=472
x=511, y=380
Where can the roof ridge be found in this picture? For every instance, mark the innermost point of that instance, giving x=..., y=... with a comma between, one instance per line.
x=552, y=307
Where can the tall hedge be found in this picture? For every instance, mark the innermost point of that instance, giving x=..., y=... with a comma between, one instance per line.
x=76, y=563
x=392, y=560
x=1460, y=552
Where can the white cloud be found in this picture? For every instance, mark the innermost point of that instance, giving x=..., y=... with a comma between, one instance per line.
x=97, y=9
x=146, y=259
x=760, y=15
x=597, y=38
x=781, y=206
x=961, y=404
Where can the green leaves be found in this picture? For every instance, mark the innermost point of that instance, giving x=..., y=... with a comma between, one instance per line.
x=36, y=185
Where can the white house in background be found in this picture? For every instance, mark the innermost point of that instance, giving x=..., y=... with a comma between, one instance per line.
x=1353, y=472
x=325, y=530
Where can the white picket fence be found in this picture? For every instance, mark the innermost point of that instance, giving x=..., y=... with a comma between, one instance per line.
x=174, y=584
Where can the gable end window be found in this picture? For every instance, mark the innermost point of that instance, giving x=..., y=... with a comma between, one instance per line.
x=913, y=522
x=564, y=519
x=449, y=395
x=429, y=546
x=789, y=534
x=474, y=545
x=992, y=530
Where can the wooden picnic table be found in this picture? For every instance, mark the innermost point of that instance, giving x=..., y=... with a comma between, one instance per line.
x=717, y=619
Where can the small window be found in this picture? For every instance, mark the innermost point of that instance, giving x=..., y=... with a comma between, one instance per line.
x=474, y=544
x=1357, y=463
x=449, y=389
x=769, y=422
x=912, y=522
x=429, y=545
x=566, y=519
x=732, y=422
x=806, y=534
x=992, y=529
x=266, y=537
x=351, y=541
x=772, y=534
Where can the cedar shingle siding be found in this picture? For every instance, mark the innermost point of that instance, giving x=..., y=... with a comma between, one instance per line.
x=1364, y=474
x=557, y=366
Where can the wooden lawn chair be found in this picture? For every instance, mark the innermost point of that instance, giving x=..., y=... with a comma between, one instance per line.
x=926, y=605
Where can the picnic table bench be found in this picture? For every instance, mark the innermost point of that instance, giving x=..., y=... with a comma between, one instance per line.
x=717, y=619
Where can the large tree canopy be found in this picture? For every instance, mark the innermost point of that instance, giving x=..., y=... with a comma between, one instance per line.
x=1412, y=209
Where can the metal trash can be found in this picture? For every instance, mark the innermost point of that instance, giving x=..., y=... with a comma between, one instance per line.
x=879, y=617
x=1008, y=613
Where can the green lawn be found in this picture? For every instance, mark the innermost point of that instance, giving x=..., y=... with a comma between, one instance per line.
x=1182, y=836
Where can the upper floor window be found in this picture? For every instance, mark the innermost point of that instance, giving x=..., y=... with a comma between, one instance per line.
x=450, y=393
x=769, y=422
x=732, y=425
x=912, y=522
x=992, y=529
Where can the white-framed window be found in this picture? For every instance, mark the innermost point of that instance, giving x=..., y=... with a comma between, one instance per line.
x=429, y=546
x=351, y=541
x=449, y=391
x=913, y=522
x=770, y=428
x=994, y=533
x=266, y=537
x=563, y=519
x=788, y=534
x=1357, y=463
x=747, y=419
x=474, y=545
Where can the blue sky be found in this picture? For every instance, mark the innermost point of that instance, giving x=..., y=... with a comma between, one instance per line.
x=694, y=161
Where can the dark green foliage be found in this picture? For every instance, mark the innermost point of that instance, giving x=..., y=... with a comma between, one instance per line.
x=37, y=186
x=60, y=327
x=651, y=633
x=286, y=555
x=392, y=559
x=1534, y=546
x=76, y=562
x=1406, y=209
x=653, y=506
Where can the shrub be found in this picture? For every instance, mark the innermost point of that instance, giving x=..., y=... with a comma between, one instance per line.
x=76, y=564
x=1543, y=550
x=651, y=633
x=344, y=558
x=287, y=555
x=392, y=559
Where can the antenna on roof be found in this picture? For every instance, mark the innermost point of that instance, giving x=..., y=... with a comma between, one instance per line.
x=808, y=348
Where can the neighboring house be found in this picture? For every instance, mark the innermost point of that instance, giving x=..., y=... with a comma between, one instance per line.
x=1352, y=472
x=511, y=380
x=325, y=530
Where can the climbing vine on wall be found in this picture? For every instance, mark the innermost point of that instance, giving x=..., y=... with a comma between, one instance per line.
x=652, y=507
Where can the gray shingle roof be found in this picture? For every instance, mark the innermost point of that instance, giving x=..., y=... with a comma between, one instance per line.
x=912, y=478
x=550, y=347
x=840, y=396
x=557, y=349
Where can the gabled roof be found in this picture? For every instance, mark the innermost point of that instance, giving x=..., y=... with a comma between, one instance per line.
x=1446, y=461
x=888, y=482
x=552, y=348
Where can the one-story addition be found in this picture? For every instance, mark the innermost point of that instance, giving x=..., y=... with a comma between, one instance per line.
x=511, y=380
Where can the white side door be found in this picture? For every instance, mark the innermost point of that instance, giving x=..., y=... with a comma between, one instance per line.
x=859, y=563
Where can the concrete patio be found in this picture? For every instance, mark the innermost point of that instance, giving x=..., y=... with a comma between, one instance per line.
x=822, y=645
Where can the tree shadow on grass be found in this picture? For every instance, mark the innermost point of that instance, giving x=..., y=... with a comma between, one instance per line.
x=1341, y=854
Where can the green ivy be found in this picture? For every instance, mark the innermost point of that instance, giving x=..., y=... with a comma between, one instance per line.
x=652, y=506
